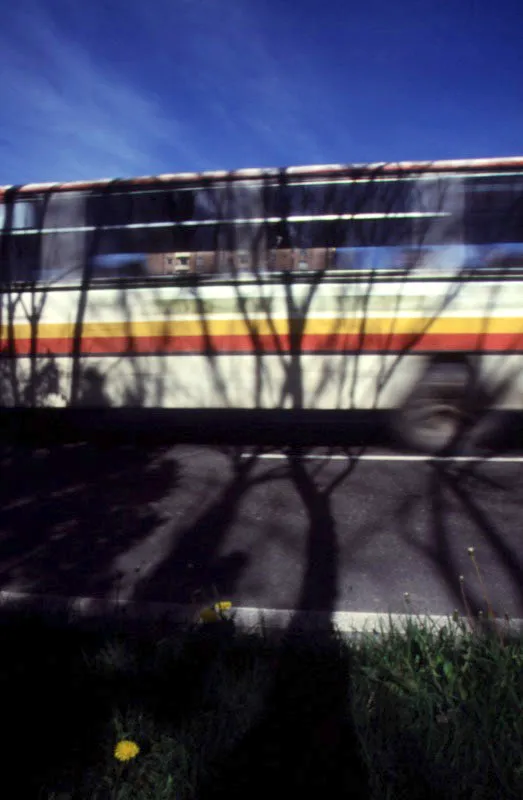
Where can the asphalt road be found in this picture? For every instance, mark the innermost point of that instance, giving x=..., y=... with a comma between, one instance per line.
x=329, y=530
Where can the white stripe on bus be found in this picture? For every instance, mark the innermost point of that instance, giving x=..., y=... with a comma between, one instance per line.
x=250, y=221
x=385, y=457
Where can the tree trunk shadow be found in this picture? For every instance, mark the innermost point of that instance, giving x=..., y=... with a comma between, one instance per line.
x=304, y=741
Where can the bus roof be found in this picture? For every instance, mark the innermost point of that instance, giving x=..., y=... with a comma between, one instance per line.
x=300, y=173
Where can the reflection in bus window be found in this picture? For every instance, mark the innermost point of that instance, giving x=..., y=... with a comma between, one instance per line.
x=444, y=258
x=370, y=221
x=119, y=265
x=229, y=202
x=65, y=211
x=23, y=215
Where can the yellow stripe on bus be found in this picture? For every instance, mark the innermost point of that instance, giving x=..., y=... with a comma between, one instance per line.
x=239, y=327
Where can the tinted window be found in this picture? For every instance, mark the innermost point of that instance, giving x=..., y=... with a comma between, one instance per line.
x=494, y=209
x=63, y=210
x=139, y=207
x=229, y=202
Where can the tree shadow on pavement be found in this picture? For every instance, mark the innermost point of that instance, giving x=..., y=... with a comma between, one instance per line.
x=464, y=485
x=193, y=568
x=458, y=519
x=304, y=741
x=320, y=580
x=68, y=512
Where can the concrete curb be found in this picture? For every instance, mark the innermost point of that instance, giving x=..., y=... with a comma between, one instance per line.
x=246, y=619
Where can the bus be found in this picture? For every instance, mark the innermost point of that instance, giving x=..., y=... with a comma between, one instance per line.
x=392, y=287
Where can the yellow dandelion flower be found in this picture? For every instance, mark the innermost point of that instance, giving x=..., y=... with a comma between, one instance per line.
x=209, y=615
x=126, y=750
x=223, y=605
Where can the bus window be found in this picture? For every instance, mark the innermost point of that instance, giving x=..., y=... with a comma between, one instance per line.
x=119, y=208
x=63, y=211
x=494, y=209
x=119, y=265
x=63, y=237
x=229, y=202
x=23, y=215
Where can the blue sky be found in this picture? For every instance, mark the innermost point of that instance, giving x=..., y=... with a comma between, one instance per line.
x=110, y=88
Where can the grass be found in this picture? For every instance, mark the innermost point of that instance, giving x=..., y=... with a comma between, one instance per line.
x=417, y=712
x=439, y=714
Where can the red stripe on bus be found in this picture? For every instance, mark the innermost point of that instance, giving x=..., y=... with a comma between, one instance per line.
x=269, y=343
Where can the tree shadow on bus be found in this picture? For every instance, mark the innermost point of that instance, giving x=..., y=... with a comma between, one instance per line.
x=282, y=331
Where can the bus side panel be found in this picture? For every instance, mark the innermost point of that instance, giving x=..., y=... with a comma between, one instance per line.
x=334, y=345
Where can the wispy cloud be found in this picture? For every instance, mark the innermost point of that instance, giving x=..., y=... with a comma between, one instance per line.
x=64, y=116
x=233, y=60
x=201, y=85
x=103, y=88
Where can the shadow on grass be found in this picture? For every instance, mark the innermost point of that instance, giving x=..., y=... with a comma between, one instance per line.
x=221, y=714
x=304, y=741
